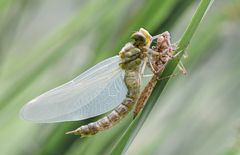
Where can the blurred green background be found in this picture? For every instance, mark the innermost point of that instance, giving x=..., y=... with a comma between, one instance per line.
x=46, y=43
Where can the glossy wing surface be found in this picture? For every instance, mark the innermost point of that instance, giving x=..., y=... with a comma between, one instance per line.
x=94, y=92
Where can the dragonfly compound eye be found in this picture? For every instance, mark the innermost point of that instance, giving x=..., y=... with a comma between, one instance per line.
x=142, y=38
x=139, y=39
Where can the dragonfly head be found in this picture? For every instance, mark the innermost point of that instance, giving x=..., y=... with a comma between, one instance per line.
x=142, y=37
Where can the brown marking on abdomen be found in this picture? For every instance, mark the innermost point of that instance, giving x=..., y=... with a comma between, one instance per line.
x=145, y=95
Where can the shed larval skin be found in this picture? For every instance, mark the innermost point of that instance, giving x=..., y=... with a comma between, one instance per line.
x=164, y=48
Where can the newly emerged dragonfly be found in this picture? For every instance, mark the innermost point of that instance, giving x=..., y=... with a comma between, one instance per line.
x=111, y=84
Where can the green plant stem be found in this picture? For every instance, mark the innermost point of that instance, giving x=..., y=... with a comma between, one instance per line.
x=131, y=132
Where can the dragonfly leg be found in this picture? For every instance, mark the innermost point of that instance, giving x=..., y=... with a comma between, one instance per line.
x=185, y=54
x=166, y=77
x=151, y=67
x=152, y=52
x=180, y=64
x=143, y=66
x=182, y=68
x=148, y=75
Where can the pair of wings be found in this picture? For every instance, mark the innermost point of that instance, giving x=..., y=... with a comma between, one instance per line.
x=94, y=92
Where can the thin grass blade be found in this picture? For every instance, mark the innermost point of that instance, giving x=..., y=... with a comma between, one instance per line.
x=131, y=132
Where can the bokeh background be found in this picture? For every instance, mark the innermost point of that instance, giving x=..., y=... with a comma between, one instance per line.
x=44, y=43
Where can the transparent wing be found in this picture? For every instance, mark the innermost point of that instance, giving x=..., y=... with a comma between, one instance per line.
x=94, y=92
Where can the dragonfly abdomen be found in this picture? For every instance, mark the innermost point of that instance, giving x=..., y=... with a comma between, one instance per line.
x=106, y=122
x=132, y=80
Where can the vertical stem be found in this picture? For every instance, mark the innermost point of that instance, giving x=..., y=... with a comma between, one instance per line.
x=131, y=132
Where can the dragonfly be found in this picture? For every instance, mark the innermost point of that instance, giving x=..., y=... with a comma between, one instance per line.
x=112, y=85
